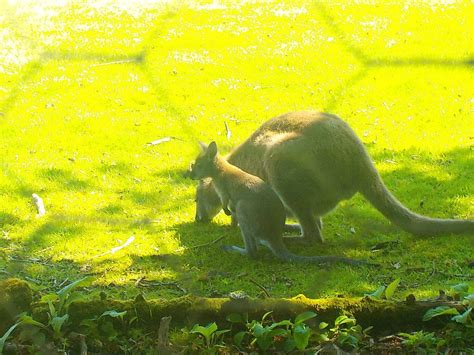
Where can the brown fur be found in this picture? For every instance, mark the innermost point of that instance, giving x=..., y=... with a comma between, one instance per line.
x=257, y=208
x=313, y=161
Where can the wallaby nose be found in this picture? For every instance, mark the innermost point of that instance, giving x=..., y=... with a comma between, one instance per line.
x=201, y=219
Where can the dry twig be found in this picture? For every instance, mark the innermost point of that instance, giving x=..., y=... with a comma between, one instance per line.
x=38, y=201
x=265, y=291
x=209, y=243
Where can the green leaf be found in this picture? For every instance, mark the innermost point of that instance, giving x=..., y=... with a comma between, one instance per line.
x=377, y=294
x=258, y=330
x=71, y=298
x=3, y=339
x=113, y=314
x=132, y=320
x=469, y=300
x=458, y=291
x=206, y=331
x=301, y=336
x=220, y=332
x=462, y=318
x=52, y=310
x=344, y=320
x=68, y=288
x=239, y=337
x=460, y=288
x=390, y=290
x=282, y=323
x=53, y=297
x=57, y=322
x=90, y=323
x=234, y=318
x=266, y=315
x=26, y=319
x=322, y=337
x=303, y=317
x=63, y=293
x=323, y=325
x=438, y=311
x=348, y=339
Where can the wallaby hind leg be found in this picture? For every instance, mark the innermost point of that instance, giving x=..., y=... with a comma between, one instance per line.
x=282, y=177
x=247, y=232
x=311, y=226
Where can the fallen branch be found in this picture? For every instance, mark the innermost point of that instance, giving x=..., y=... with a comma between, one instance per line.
x=125, y=61
x=162, y=140
x=227, y=130
x=209, y=243
x=141, y=282
x=116, y=249
x=38, y=201
x=267, y=294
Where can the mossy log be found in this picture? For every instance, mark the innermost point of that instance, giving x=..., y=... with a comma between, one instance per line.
x=15, y=298
x=385, y=316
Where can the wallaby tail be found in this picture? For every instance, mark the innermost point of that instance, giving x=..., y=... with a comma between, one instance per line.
x=383, y=200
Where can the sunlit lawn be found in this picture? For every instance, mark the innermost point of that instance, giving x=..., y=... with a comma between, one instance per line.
x=84, y=86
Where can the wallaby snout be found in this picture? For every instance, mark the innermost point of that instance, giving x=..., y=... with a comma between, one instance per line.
x=201, y=219
x=191, y=173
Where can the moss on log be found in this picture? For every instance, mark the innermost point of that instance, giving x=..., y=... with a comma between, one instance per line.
x=15, y=298
x=385, y=316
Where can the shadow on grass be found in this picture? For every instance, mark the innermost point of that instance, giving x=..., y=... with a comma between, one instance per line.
x=50, y=232
x=420, y=191
x=120, y=167
x=201, y=258
x=8, y=219
x=63, y=179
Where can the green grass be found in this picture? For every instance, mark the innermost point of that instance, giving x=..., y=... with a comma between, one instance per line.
x=84, y=87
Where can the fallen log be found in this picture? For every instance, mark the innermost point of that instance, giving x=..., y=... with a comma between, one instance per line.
x=385, y=316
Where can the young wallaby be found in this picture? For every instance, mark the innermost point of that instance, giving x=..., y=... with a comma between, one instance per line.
x=257, y=208
x=313, y=161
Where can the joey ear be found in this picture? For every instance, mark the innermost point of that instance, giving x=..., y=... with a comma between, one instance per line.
x=212, y=150
x=203, y=146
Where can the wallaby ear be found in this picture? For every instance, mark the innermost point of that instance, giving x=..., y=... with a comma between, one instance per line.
x=212, y=150
x=203, y=146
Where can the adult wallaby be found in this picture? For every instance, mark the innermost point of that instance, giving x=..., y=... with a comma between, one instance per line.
x=313, y=161
x=257, y=208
